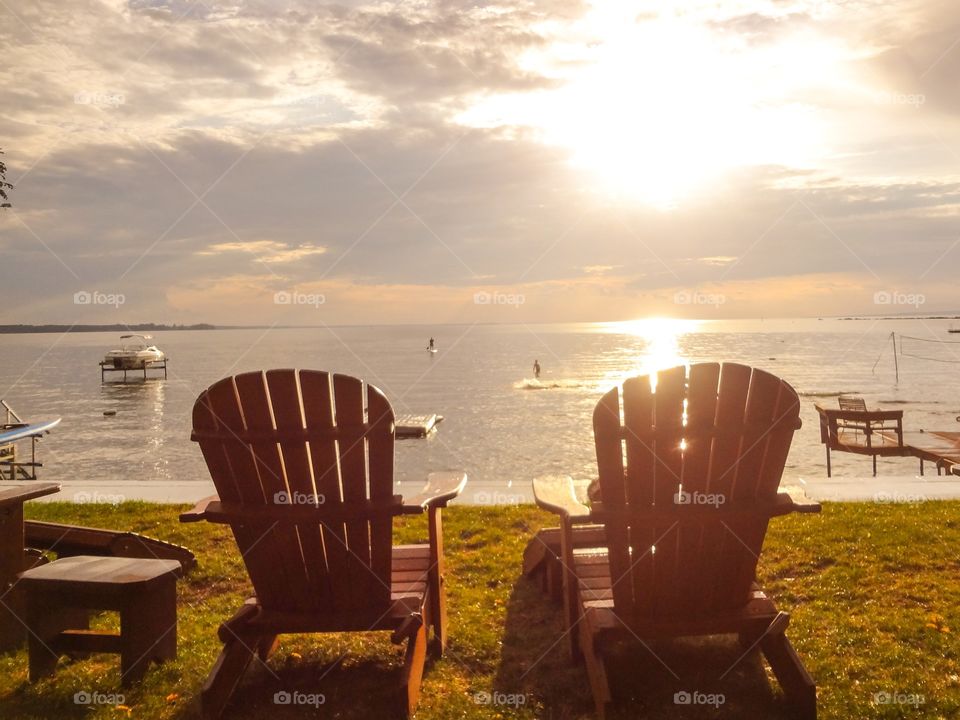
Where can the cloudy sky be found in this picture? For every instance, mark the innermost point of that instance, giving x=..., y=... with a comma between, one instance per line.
x=301, y=162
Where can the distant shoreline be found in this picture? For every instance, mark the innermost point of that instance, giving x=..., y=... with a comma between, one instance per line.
x=901, y=317
x=25, y=328
x=144, y=327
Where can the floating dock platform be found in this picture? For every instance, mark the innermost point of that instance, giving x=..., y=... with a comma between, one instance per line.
x=416, y=426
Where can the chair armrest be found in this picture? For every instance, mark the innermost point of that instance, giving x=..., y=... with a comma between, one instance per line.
x=556, y=494
x=440, y=488
x=198, y=512
x=283, y=514
x=794, y=502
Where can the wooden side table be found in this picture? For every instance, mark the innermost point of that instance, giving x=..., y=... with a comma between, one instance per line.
x=59, y=596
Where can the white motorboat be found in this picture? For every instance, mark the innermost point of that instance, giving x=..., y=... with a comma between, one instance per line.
x=134, y=353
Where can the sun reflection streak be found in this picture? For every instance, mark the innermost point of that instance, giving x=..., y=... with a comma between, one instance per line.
x=657, y=346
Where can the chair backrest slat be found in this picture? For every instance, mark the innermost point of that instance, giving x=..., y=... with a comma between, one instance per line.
x=668, y=468
x=258, y=417
x=348, y=399
x=774, y=401
x=288, y=413
x=302, y=438
x=701, y=412
x=641, y=461
x=609, y=445
x=317, y=393
x=719, y=435
x=234, y=473
x=743, y=539
x=381, y=442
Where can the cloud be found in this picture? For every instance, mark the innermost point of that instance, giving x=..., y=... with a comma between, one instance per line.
x=266, y=251
x=918, y=63
x=432, y=56
x=262, y=147
x=599, y=269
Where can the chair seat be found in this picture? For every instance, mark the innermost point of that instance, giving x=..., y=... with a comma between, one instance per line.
x=410, y=566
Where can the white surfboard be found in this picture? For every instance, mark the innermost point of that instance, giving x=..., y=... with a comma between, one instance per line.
x=25, y=431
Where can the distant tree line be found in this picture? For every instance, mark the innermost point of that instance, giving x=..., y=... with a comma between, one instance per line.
x=142, y=327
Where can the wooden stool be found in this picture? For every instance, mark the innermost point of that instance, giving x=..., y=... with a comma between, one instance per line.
x=59, y=596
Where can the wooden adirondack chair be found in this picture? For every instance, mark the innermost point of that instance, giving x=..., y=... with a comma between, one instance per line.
x=303, y=466
x=688, y=479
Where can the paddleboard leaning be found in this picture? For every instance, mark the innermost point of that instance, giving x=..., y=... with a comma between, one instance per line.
x=11, y=468
x=24, y=431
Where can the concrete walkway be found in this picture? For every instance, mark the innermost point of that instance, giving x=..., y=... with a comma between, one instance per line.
x=836, y=489
x=917, y=488
x=190, y=491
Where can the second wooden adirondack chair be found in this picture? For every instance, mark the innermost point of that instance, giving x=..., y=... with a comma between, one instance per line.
x=303, y=466
x=689, y=471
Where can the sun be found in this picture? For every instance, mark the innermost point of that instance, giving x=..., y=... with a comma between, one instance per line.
x=658, y=109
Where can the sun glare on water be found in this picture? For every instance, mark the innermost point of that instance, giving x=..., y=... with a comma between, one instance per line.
x=656, y=109
x=658, y=346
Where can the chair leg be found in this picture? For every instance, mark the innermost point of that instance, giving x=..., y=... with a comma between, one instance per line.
x=797, y=684
x=266, y=646
x=553, y=578
x=438, y=596
x=590, y=645
x=569, y=586
x=236, y=656
x=413, y=664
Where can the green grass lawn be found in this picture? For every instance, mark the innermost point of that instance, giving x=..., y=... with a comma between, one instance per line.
x=872, y=589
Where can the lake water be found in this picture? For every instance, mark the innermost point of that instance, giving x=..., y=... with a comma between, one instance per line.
x=501, y=427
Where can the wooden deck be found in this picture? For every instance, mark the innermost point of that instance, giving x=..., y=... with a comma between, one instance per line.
x=880, y=433
x=937, y=446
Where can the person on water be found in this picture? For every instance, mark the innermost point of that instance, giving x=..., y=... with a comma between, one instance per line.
x=430, y=346
x=536, y=369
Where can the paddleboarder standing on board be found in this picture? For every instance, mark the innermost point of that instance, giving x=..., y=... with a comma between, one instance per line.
x=536, y=369
x=430, y=346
